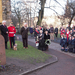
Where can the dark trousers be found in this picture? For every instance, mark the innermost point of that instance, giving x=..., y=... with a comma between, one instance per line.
x=25, y=42
x=56, y=34
x=11, y=41
x=5, y=45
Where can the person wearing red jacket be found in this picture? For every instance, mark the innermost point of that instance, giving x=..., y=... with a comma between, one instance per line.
x=11, y=33
x=67, y=34
x=62, y=31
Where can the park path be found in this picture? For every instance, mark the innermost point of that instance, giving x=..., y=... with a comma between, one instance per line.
x=64, y=66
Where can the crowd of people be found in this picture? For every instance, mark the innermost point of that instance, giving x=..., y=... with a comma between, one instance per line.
x=67, y=36
x=67, y=41
x=42, y=35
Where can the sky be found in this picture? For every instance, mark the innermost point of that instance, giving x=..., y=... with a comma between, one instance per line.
x=48, y=11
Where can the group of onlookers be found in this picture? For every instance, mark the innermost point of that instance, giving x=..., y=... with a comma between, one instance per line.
x=8, y=31
x=42, y=33
x=67, y=41
x=51, y=30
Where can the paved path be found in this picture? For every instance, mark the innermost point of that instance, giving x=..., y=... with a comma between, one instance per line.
x=65, y=65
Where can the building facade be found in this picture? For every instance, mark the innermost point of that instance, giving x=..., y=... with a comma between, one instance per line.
x=5, y=10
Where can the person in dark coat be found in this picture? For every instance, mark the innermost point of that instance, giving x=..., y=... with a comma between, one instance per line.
x=73, y=44
x=41, y=40
x=36, y=33
x=52, y=32
x=31, y=31
x=63, y=43
x=43, y=29
x=56, y=32
x=4, y=32
x=24, y=33
x=70, y=48
x=46, y=36
x=69, y=27
x=48, y=29
x=73, y=34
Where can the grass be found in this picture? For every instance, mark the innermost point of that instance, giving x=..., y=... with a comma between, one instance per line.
x=31, y=53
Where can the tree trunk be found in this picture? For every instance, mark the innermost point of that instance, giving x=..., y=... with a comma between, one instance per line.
x=71, y=19
x=41, y=12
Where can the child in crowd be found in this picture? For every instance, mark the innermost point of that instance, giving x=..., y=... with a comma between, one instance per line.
x=62, y=42
x=70, y=49
x=65, y=43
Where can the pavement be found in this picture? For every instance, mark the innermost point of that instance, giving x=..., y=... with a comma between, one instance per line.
x=65, y=64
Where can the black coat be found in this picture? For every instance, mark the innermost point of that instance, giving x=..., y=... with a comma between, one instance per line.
x=69, y=28
x=48, y=30
x=46, y=36
x=56, y=30
x=73, y=33
x=24, y=32
x=43, y=30
x=51, y=30
x=3, y=32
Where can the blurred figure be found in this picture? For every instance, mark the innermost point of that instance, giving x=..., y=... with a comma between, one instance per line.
x=46, y=37
x=43, y=29
x=56, y=32
x=11, y=32
x=31, y=31
x=36, y=32
x=41, y=40
x=69, y=27
x=4, y=32
x=62, y=31
x=24, y=33
x=67, y=34
x=52, y=32
x=48, y=29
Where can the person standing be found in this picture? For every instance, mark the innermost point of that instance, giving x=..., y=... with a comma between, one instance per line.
x=68, y=27
x=36, y=33
x=4, y=32
x=62, y=31
x=52, y=32
x=31, y=31
x=24, y=33
x=11, y=33
x=43, y=29
x=67, y=34
x=46, y=37
x=56, y=32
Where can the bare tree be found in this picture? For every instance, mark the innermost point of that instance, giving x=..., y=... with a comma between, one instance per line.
x=41, y=11
x=14, y=20
x=20, y=11
x=72, y=6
